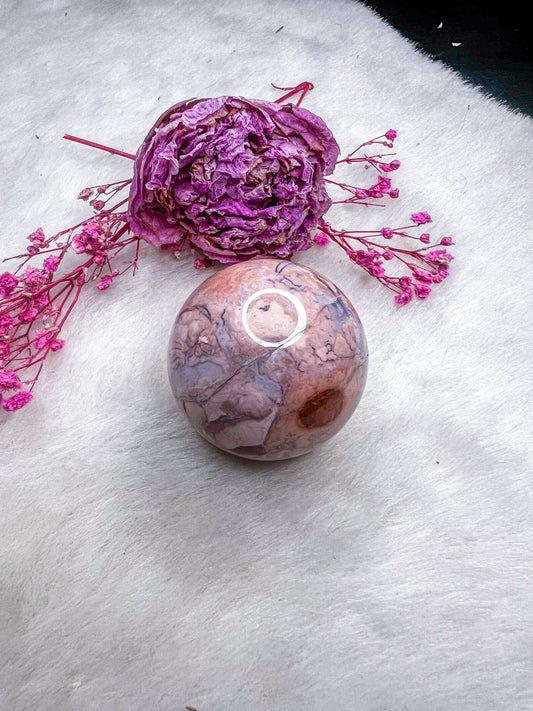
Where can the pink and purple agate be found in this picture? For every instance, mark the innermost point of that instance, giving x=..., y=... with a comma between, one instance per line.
x=268, y=359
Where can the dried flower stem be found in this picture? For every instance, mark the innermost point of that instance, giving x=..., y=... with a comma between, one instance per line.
x=99, y=145
x=304, y=87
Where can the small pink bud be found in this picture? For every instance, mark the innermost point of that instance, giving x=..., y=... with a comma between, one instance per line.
x=33, y=279
x=404, y=298
x=37, y=238
x=8, y=282
x=420, y=218
x=91, y=227
x=51, y=263
x=41, y=300
x=57, y=344
x=422, y=275
x=105, y=282
x=78, y=244
x=422, y=290
x=321, y=239
x=28, y=315
x=202, y=263
x=41, y=339
x=15, y=402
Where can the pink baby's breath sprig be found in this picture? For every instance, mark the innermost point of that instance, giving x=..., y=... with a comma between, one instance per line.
x=377, y=160
x=418, y=261
x=35, y=301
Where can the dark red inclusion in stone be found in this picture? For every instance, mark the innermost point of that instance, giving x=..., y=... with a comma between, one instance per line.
x=321, y=409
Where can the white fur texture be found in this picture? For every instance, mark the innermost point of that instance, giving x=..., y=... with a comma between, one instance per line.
x=142, y=570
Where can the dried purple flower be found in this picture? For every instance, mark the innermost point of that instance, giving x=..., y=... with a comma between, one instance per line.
x=233, y=178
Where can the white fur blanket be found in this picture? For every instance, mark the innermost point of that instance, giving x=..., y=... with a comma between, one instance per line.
x=142, y=569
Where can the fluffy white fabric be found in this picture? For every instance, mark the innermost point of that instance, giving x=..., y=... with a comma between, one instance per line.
x=389, y=570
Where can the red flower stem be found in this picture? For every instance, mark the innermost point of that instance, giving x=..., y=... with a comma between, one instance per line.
x=81, y=282
x=366, y=143
x=99, y=146
x=41, y=366
x=119, y=204
x=136, y=258
x=67, y=288
x=119, y=234
x=362, y=159
x=344, y=186
x=304, y=87
x=397, y=231
x=389, y=247
x=396, y=250
x=356, y=201
x=27, y=258
x=353, y=233
x=389, y=282
x=340, y=241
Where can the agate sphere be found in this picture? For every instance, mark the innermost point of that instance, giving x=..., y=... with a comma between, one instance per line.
x=268, y=359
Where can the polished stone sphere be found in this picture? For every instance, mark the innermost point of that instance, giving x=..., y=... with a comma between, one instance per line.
x=268, y=359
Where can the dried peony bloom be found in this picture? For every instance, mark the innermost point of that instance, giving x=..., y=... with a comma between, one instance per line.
x=233, y=178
